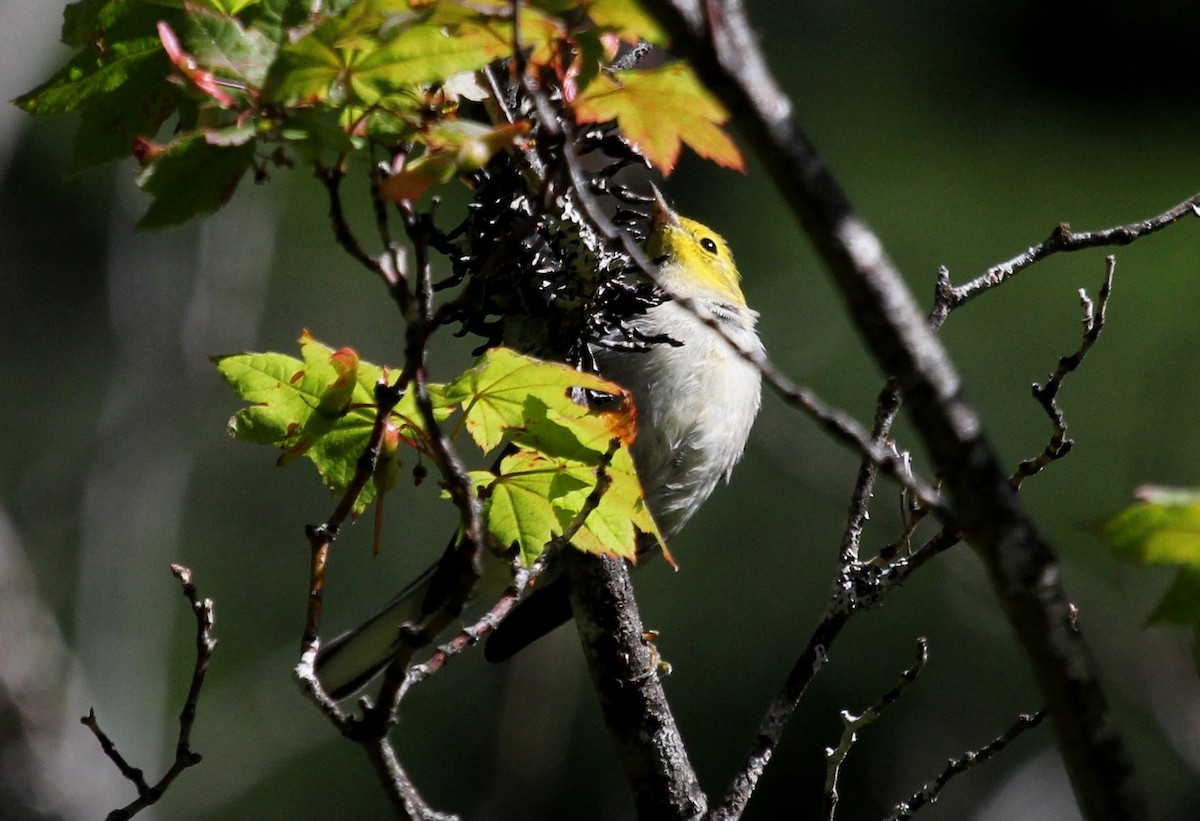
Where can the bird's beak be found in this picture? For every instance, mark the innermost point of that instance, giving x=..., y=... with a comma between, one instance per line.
x=660, y=213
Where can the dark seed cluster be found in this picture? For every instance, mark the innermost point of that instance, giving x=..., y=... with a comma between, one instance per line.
x=537, y=277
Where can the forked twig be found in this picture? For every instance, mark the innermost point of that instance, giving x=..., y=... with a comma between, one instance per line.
x=853, y=724
x=185, y=757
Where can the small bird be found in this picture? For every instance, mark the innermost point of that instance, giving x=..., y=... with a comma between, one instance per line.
x=696, y=400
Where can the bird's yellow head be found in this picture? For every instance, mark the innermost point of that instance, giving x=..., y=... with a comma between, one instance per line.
x=692, y=259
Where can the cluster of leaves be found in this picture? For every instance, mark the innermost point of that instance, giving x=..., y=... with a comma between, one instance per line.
x=235, y=84
x=322, y=406
x=1162, y=527
x=204, y=92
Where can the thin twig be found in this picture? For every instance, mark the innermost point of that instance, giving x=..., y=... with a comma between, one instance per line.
x=1058, y=446
x=184, y=755
x=853, y=724
x=130, y=772
x=322, y=536
x=332, y=178
x=929, y=793
x=1047, y=395
x=405, y=797
x=948, y=297
x=461, y=566
x=779, y=712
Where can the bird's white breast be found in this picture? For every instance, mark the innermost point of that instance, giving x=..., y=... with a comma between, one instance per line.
x=696, y=403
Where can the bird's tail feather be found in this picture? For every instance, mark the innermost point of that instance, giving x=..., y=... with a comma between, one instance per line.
x=428, y=605
x=546, y=609
x=352, y=659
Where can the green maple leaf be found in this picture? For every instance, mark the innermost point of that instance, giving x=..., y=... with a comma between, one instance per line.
x=285, y=392
x=224, y=46
x=496, y=394
x=356, y=59
x=540, y=488
x=535, y=497
x=661, y=109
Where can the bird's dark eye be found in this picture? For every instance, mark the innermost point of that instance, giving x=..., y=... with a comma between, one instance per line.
x=708, y=245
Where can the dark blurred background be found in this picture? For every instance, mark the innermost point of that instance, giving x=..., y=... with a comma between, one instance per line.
x=963, y=132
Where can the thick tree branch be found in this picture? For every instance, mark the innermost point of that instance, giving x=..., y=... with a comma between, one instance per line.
x=1022, y=566
x=635, y=708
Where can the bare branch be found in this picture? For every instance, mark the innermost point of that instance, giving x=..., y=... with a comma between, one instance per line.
x=853, y=724
x=1062, y=238
x=929, y=793
x=332, y=178
x=321, y=537
x=184, y=756
x=406, y=800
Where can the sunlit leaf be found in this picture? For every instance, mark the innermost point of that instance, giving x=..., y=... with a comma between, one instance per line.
x=534, y=498
x=187, y=66
x=106, y=23
x=285, y=394
x=496, y=393
x=90, y=75
x=1163, y=527
x=345, y=60
x=659, y=109
x=423, y=54
x=332, y=404
x=542, y=487
x=456, y=147
x=224, y=46
x=628, y=20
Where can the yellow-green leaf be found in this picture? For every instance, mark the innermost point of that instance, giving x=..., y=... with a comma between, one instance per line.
x=534, y=498
x=1163, y=527
x=292, y=398
x=505, y=388
x=452, y=148
x=628, y=20
x=362, y=57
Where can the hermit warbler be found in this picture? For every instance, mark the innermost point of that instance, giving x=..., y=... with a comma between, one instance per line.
x=696, y=399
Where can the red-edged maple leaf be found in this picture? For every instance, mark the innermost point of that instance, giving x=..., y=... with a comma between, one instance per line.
x=658, y=109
